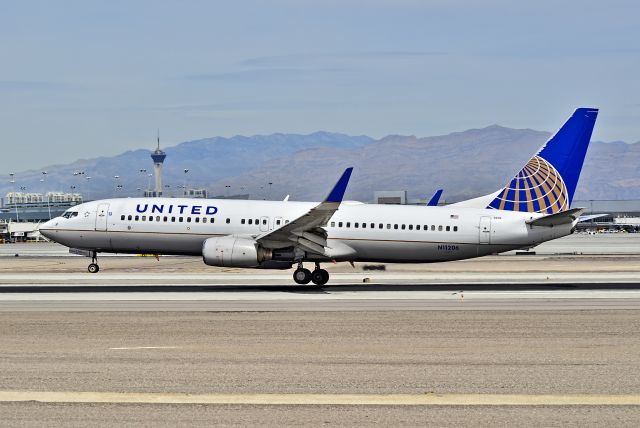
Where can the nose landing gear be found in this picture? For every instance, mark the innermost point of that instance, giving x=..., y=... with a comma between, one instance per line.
x=93, y=267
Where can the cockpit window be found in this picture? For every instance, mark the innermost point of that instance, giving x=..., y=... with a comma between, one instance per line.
x=69, y=214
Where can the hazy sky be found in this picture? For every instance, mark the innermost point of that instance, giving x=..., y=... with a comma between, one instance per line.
x=89, y=78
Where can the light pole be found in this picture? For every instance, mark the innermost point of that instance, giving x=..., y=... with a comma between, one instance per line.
x=78, y=174
x=143, y=172
x=149, y=183
x=44, y=175
x=88, y=188
x=269, y=195
x=226, y=190
x=13, y=184
x=117, y=185
x=184, y=186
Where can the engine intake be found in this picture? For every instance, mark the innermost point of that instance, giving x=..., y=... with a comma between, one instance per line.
x=231, y=251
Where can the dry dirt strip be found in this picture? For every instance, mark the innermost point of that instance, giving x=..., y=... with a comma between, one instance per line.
x=427, y=399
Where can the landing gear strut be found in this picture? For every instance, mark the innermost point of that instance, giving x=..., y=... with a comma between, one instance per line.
x=319, y=276
x=93, y=267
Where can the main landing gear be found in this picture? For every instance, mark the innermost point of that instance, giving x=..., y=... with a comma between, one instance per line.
x=304, y=276
x=93, y=267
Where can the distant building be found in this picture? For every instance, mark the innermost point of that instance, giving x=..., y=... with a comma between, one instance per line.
x=390, y=197
x=196, y=193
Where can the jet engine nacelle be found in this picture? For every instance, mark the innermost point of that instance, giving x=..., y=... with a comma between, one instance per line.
x=231, y=251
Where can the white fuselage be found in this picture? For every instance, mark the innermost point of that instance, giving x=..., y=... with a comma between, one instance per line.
x=382, y=233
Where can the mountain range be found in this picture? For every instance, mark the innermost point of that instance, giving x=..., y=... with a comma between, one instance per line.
x=466, y=164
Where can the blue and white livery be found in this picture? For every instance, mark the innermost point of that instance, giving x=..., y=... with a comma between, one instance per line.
x=532, y=208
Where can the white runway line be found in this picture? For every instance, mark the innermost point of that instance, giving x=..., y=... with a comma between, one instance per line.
x=320, y=295
x=143, y=347
x=427, y=399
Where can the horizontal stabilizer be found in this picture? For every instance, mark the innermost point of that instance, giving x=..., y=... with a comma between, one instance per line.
x=557, y=219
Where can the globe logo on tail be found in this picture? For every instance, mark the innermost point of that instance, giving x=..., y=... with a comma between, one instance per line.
x=539, y=187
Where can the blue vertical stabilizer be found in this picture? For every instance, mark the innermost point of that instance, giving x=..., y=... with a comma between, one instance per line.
x=548, y=181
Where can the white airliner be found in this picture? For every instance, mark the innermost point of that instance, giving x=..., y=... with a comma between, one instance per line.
x=532, y=208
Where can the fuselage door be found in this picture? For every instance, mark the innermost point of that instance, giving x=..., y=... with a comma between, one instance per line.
x=102, y=214
x=264, y=224
x=485, y=230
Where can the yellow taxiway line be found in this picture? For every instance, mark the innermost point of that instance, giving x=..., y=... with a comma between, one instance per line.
x=427, y=399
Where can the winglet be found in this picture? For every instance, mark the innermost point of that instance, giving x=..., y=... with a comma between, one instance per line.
x=337, y=193
x=433, y=202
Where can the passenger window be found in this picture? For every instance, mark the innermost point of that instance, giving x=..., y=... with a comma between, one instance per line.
x=448, y=228
x=197, y=219
x=286, y=221
x=165, y=219
x=264, y=221
x=364, y=225
x=278, y=222
x=455, y=228
x=228, y=221
x=157, y=218
x=257, y=221
x=380, y=226
x=180, y=219
x=439, y=228
x=333, y=224
x=129, y=218
x=388, y=226
x=339, y=224
x=213, y=220
x=348, y=224
x=373, y=225
x=395, y=226
x=433, y=227
x=417, y=227
x=242, y=221
x=173, y=219
x=410, y=227
x=144, y=218
x=355, y=225
x=188, y=219
x=122, y=217
x=136, y=218
x=250, y=221
x=204, y=219
x=426, y=227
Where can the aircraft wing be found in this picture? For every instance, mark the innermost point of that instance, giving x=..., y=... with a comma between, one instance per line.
x=307, y=230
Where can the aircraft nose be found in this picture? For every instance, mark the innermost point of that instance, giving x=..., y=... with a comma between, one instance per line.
x=47, y=227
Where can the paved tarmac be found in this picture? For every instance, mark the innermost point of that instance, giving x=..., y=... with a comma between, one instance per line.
x=502, y=340
x=445, y=368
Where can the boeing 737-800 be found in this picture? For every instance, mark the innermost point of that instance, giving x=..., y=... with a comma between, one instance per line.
x=532, y=208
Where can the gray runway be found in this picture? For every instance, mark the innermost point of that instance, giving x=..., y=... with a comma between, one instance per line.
x=354, y=297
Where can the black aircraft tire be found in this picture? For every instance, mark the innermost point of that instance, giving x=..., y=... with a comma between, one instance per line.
x=302, y=276
x=93, y=268
x=320, y=277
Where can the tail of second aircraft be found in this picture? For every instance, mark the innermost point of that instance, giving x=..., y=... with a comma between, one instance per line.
x=548, y=181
